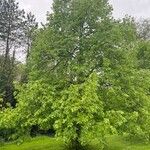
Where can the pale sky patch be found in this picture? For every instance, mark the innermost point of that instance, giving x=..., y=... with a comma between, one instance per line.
x=38, y=7
x=135, y=8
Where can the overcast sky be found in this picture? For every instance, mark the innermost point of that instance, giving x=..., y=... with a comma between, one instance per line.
x=136, y=8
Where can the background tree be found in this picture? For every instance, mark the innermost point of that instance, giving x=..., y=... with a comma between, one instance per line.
x=143, y=29
x=16, y=33
x=29, y=30
x=11, y=34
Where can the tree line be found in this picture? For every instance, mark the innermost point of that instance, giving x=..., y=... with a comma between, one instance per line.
x=87, y=75
x=16, y=29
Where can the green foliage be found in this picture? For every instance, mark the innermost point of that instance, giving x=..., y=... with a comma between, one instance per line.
x=76, y=42
x=33, y=108
x=143, y=55
x=78, y=110
x=88, y=77
x=34, y=105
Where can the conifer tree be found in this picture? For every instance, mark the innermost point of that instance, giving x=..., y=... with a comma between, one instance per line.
x=11, y=35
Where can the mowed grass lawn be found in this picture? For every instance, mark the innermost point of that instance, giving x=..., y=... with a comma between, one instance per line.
x=46, y=143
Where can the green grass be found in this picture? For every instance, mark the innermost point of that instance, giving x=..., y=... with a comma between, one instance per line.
x=46, y=143
x=118, y=143
x=39, y=143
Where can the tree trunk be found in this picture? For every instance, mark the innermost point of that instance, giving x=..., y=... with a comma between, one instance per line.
x=76, y=145
x=7, y=46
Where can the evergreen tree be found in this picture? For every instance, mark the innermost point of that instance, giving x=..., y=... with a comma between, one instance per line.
x=11, y=34
x=11, y=25
x=29, y=30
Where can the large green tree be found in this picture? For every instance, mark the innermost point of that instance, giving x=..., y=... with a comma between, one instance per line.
x=80, y=38
x=65, y=54
x=84, y=76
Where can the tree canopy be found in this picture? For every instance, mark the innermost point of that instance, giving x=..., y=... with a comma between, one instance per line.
x=88, y=76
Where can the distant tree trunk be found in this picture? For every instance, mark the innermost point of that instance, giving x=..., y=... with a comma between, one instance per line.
x=8, y=96
x=6, y=52
x=7, y=45
x=9, y=75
